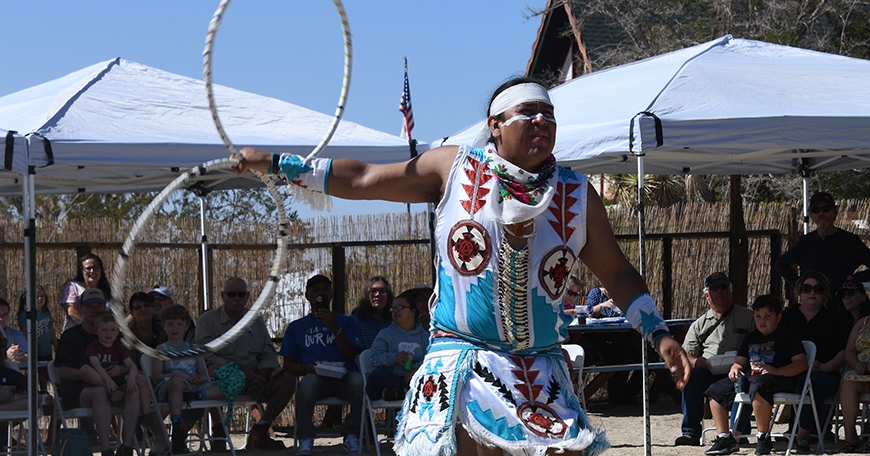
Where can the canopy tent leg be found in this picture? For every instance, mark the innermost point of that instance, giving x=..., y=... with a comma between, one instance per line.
x=203, y=240
x=29, y=213
x=641, y=228
x=805, y=190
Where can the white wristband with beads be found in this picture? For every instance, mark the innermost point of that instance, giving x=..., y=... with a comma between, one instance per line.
x=311, y=174
x=642, y=314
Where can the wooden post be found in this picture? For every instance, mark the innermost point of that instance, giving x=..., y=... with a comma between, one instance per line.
x=667, y=277
x=738, y=254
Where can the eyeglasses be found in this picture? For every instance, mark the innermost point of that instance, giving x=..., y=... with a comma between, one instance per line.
x=721, y=286
x=375, y=291
x=233, y=294
x=144, y=305
x=817, y=288
x=572, y=293
x=398, y=308
x=825, y=208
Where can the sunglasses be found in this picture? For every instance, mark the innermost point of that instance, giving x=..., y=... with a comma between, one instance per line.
x=572, y=293
x=233, y=294
x=817, y=288
x=721, y=286
x=140, y=307
x=398, y=308
x=825, y=208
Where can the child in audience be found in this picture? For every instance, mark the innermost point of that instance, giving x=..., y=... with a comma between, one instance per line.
x=768, y=361
x=105, y=353
x=180, y=380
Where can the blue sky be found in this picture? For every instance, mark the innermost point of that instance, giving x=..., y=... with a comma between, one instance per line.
x=458, y=53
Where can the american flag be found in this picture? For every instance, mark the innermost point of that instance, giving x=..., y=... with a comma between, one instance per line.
x=405, y=108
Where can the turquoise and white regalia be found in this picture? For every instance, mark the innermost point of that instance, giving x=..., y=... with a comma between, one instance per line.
x=495, y=365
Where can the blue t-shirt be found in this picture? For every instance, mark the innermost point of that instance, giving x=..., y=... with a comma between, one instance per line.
x=310, y=340
x=44, y=326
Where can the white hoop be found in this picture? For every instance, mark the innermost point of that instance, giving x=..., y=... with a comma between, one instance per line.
x=119, y=274
x=316, y=200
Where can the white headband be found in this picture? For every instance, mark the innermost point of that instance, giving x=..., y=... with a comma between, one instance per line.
x=518, y=94
x=510, y=97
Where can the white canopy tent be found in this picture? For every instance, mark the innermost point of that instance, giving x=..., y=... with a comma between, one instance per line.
x=120, y=126
x=729, y=106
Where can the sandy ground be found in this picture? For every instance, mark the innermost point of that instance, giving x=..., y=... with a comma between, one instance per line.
x=624, y=426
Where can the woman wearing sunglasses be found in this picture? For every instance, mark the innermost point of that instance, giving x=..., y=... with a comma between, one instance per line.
x=143, y=324
x=398, y=351
x=814, y=321
x=372, y=314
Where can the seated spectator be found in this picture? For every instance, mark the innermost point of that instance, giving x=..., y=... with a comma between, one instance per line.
x=853, y=297
x=768, y=362
x=16, y=341
x=719, y=330
x=599, y=304
x=14, y=394
x=421, y=300
x=323, y=336
x=89, y=274
x=574, y=295
x=143, y=324
x=160, y=298
x=856, y=380
x=372, y=314
x=71, y=357
x=179, y=380
x=398, y=351
x=46, y=339
x=254, y=354
x=813, y=321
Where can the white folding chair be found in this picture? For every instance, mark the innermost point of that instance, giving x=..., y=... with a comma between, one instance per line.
x=204, y=434
x=55, y=377
x=15, y=419
x=366, y=367
x=325, y=401
x=796, y=400
x=577, y=356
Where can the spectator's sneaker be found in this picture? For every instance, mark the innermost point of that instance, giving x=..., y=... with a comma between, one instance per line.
x=802, y=446
x=687, y=440
x=764, y=445
x=259, y=439
x=723, y=445
x=306, y=447
x=124, y=450
x=351, y=444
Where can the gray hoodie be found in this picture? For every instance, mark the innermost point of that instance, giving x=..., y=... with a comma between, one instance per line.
x=392, y=340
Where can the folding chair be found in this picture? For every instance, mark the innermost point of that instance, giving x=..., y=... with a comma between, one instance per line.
x=203, y=435
x=325, y=401
x=366, y=367
x=796, y=400
x=577, y=356
x=15, y=419
x=54, y=376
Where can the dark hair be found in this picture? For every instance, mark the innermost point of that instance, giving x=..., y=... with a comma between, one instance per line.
x=411, y=297
x=103, y=318
x=22, y=301
x=818, y=277
x=767, y=301
x=507, y=85
x=364, y=309
x=316, y=279
x=103, y=283
x=138, y=296
x=176, y=312
x=4, y=302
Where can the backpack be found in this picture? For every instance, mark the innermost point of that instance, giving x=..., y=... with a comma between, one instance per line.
x=72, y=442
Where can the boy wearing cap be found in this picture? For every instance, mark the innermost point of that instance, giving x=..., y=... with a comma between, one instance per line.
x=720, y=329
x=832, y=251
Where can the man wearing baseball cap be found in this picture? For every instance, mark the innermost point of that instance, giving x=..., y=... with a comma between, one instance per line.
x=830, y=250
x=76, y=393
x=719, y=330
